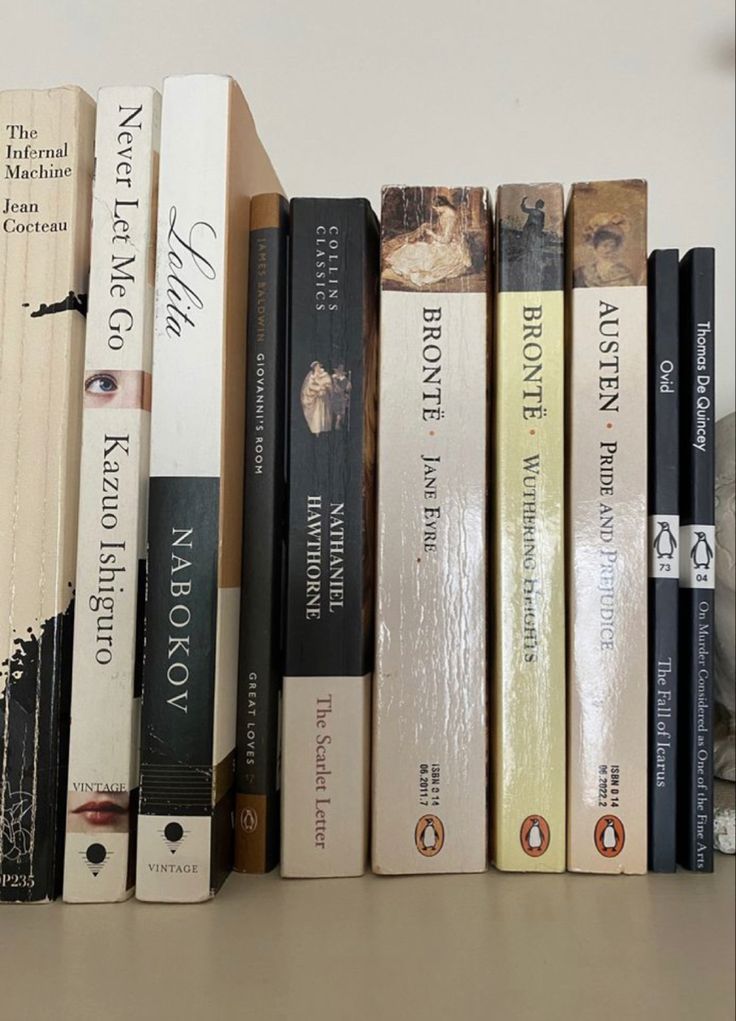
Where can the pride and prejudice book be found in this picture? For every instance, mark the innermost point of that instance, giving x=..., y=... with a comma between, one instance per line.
x=329, y=588
x=47, y=146
x=429, y=715
x=607, y=528
x=697, y=561
x=257, y=809
x=212, y=162
x=102, y=791
x=664, y=554
x=528, y=802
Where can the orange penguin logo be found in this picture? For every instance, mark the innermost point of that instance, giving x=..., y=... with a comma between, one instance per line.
x=609, y=836
x=534, y=835
x=429, y=835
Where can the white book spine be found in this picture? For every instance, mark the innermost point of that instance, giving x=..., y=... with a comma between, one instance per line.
x=103, y=754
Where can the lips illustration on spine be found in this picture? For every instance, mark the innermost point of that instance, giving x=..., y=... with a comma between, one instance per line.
x=101, y=813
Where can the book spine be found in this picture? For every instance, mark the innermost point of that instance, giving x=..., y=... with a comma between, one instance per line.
x=103, y=755
x=697, y=560
x=211, y=161
x=260, y=660
x=429, y=722
x=328, y=659
x=47, y=141
x=664, y=570
x=607, y=532
x=528, y=803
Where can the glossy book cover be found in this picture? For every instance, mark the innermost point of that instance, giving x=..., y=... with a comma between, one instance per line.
x=528, y=769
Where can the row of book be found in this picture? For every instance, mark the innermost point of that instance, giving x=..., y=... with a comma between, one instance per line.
x=250, y=532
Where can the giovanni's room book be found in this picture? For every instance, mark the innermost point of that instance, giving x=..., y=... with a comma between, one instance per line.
x=257, y=809
x=47, y=140
x=607, y=528
x=697, y=560
x=211, y=163
x=329, y=598
x=528, y=802
x=102, y=803
x=429, y=713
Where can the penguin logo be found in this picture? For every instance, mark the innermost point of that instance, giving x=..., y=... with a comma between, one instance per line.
x=701, y=554
x=429, y=836
x=249, y=820
x=609, y=836
x=664, y=542
x=534, y=836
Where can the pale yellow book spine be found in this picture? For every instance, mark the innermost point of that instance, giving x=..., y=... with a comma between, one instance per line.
x=528, y=803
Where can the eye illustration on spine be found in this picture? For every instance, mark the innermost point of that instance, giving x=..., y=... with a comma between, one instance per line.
x=117, y=388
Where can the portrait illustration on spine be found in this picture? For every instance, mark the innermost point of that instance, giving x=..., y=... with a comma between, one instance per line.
x=325, y=398
x=609, y=234
x=434, y=239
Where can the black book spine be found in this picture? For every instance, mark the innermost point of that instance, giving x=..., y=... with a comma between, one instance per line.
x=697, y=561
x=260, y=659
x=664, y=555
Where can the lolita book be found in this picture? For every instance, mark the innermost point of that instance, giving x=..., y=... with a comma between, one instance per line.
x=664, y=554
x=429, y=713
x=528, y=800
x=607, y=528
x=329, y=597
x=697, y=561
x=257, y=809
x=211, y=163
x=102, y=791
x=47, y=142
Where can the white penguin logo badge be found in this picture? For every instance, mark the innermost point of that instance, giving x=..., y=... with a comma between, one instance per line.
x=609, y=836
x=429, y=835
x=534, y=835
x=701, y=554
x=664, y=543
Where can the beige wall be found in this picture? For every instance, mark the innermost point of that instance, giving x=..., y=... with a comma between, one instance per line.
x=349, y=96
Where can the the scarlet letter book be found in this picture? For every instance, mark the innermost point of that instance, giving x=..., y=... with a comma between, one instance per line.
x=102, y=791
x=46, y=160
x=607, y=528
x=211, y=164
x=528, y=763
x=429, y=713
x=329, y=598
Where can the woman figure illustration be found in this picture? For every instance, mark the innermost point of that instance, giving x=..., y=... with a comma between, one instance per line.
x=534, y=227
x=316, y=398
x=605, y=235
x=435, y=251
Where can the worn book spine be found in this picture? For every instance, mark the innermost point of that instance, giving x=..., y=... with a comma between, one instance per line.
x=429, y=717
x=664, y=554
x=102, y=790
x=47, y=148
x=329, y=597
x=211, y=163
x=528, y=802
x=607, y=528
x=697, y=561
x=257, y=809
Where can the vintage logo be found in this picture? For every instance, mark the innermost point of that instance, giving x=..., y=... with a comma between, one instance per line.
x=429, y=835
x=248, y=820
x=534, y=835
x=609, y=836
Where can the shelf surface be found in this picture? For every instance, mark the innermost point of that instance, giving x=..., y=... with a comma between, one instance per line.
x=455, y=948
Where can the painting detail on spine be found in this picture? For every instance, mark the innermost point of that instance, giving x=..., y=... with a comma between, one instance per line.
x=530, y=242
x=609, y=245
x=441, y=244
x=325, y=398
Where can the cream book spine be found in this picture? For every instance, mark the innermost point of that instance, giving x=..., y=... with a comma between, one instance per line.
x=46, y=157
x=607, y=528
x=102, y=790
x=528, y=800
x=211, y=163
x=429, y=712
